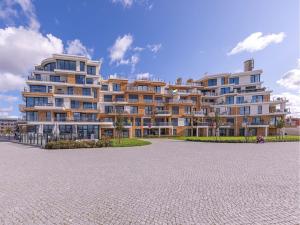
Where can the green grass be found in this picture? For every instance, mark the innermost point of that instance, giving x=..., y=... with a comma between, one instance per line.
x=238, y=139
x=129, y=142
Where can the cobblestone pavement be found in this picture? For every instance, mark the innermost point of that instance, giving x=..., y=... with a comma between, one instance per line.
x=168, y=182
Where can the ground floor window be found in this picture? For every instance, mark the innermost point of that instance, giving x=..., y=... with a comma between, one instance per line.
x=88, y=131
x=108, y=132
x=138, y=132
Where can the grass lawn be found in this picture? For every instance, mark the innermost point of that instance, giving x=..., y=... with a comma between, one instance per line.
x=129, y=142
x=238, y=139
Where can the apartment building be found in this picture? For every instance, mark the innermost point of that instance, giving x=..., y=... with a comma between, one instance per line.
x=8, y=124
x=68, y=93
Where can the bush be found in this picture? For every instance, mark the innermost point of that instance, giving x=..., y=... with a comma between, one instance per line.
x=69, y=144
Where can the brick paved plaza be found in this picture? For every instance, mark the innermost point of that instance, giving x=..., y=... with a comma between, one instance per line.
x=168, y=182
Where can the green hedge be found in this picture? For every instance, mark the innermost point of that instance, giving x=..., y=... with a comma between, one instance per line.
x=251, y=139
x=66, y=144
x=129, y=142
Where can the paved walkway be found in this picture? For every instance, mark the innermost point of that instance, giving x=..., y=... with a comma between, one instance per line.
x=168, y=182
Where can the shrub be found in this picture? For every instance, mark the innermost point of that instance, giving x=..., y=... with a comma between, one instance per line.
x=69, y=144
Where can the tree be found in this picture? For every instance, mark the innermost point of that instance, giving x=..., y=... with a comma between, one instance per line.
x=8, y=131
x=246, y=132
x=280, y=125
x=119, y=126
x=216, y=123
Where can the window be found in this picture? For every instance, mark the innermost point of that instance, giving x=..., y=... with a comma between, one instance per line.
x=212, y=82
x=119, y=109
x=234, y=80
x=148, y=98
x=48, y=116
x=245, y=110
x=120, y=98
x=222, y=80
x=239, y=99
x=148, y=110
x=256, y=120
x=225, y=90
x=91, y=70
x=50, y=66
x=187, y=109
x=157, y=89
x=194, y=99
x=107, y=98
x=218, y=111
x=38, y=77
x=255, y=78
x=89, y=81
x=230, y=100
x=104, y=87
x=86, y=91
x=95, y=93
x=70, y=90
x=175, y=110
x=133, y=98
x=174, y=121
x=49, y=89
x=66, y=65
x=82, y=66
x=80, y=79
x=257, y=98
x=133, y=109
x=138, y=122
x=65, y=129
x=59, y=102
x=116, y=87
x=54, y=78
x=37, y=88
x=36, y=101
x=108, y=109
x=75, y=104
x=89, y=105
x=259, y=109
x=31, y=116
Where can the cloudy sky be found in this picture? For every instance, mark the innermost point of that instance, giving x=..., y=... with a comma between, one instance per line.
x=152, y=38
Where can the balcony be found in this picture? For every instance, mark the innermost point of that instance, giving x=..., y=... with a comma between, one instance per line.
x=133, y=100
x=198, y=113
x=201, y=124
x=136, y=89
x=148, y=101
x=179, y=101
x=163, y=113
x=46, y=79
x=162, y=124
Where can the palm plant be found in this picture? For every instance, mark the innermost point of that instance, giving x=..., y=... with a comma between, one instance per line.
x=119, y=126
x=280, y=125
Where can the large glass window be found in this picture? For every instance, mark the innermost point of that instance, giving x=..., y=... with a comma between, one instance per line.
x=133, y=98
x=245, y=110
x=48, y=116
x=133, y=110
x=255, y=78
x=75, y=104
x=222, y=80
x=60, y=116
x=148, y=98
x=91, y=70
x=119, y=109
x=234, y=80
x=239, y=99
x=50, y=66
x=89, y=105
x=55, y=78
x=82, y=66
x=259, y=109
x=175, y=110
x=86, y=91
x=37, y=88
x=31, y=116
x=212, y=82
x=157, y=89
x=225, y=90
x=80, y=79
x=59, y=102
x=70, y=90
x=36, y=101
x=66, y=65
x=116, y=87
x=257, y=98
x=108, y=109
x=256, y=120
x=89, y=80
x=230, y=100
x=107, y=98
x=148, y=110
x=104, y=87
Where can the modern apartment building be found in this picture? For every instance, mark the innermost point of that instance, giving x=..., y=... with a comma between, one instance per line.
x=8, y=124
x=68, y=92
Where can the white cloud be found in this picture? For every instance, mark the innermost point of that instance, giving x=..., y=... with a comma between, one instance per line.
x=143, y=76
x=293, y=103
x=134, y=60
x=10, y=82
x=291, y=79
x=257, y=41
x=138, y=49
x=125, y=3
x=154, y=48
x=8, y=11
x=119, y=49
x=21, y=48
x=75, y=47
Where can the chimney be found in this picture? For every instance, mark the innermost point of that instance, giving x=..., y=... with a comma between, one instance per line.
x=248, y=65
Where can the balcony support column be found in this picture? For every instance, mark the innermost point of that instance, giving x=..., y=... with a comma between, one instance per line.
x=206, y=131
x=159, y=131
x=197, y=131
x=266, y=131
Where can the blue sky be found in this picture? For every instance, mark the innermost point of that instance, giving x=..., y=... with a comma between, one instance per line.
x=164, y=39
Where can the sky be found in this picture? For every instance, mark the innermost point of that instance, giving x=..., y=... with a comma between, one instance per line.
x=152, y=38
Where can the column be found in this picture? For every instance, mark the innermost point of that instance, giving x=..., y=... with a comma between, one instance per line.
x=206, y=131
x=266, y=131
x=159, y=131
x=197, y=131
